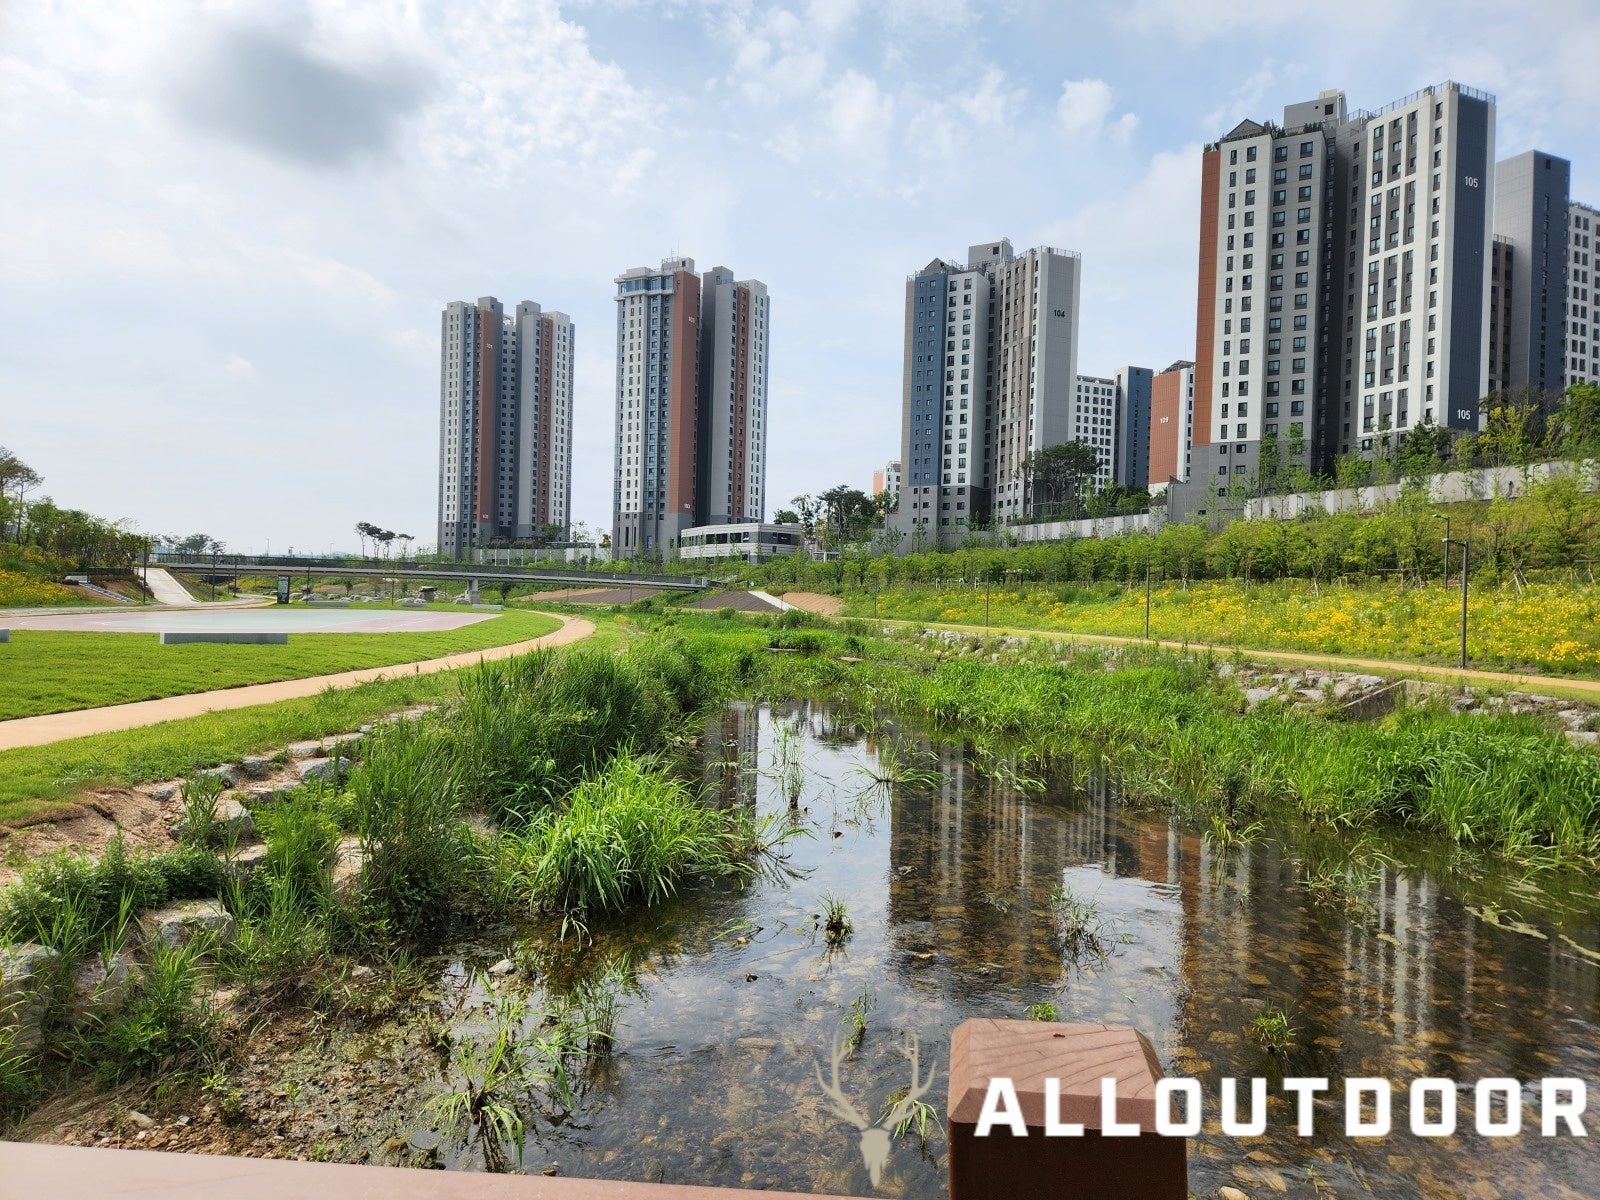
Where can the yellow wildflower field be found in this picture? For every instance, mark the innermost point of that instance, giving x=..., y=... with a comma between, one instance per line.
x=1553, y=626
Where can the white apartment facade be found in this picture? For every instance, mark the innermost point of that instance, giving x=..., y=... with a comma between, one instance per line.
x=1344, y=282
x=1094, y=421
x=691, y=409
x=505, y=424
x=991, y=354
x=1583, y=299
x=731, y=468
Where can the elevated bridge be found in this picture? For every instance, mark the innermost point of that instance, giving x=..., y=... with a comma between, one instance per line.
x=308, y=568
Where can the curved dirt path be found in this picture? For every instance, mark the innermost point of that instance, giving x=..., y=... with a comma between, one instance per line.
x=58, y=727
x=1546, y=685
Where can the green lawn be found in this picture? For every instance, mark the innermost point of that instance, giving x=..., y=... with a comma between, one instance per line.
x=38, y=781
x=47, y=672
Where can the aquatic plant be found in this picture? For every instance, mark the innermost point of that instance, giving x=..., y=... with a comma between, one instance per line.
x=1043, y=1011
x=855, y=1020
x=167, y=1023
x=417, y=852
x=507, y=1075
x=199, y=798
x=1080, y=930
x=875, y=1140
x=627, y=834
x=1271, y=1030
x=836, y=926
x=72, y=902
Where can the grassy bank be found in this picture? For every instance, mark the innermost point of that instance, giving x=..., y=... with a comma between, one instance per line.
x=1543, y=626
x=19, y=590
x=1170, y=729
x=571, y=754
x=38, y=781
x=47, y=671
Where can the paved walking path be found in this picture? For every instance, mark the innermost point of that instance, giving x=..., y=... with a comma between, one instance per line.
x=168, y=590
x=58, y=727
x=1547, y=685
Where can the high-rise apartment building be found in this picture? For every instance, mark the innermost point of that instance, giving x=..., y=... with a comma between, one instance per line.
x=505, y=424
x=1094, y=423
x=732, y=461
x=1528, y=276
x=888, y=479
x=1344, y=281
x=1583, y=299
x=691, y=440
x=1171, y=424
x=1133, y=428
x=991, y=357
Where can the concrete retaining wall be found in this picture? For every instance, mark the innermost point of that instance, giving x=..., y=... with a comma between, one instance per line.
x=240, y=639
x=1096, y=527
x=1483, y=483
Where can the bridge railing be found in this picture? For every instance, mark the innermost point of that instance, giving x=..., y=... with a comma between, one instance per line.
x=253, y=564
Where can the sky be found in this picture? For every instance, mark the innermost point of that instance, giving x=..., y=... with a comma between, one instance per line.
x=227, y=230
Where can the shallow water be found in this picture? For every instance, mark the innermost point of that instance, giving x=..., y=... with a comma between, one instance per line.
x=948, y=887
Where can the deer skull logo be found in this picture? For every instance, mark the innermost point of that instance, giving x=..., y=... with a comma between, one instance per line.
x=875, y=1138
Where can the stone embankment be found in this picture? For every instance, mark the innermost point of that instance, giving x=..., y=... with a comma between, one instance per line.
x=31, y=975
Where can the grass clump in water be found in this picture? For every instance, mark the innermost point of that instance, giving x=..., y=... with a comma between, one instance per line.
x=628, y=834
x=836, y=926
x=1272, y=1031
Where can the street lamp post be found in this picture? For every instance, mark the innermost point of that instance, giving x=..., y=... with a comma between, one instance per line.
x=1446, y=520
x=213, y=573
x=1448, y=543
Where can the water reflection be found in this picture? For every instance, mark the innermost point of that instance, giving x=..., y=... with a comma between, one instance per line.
x=948, y=887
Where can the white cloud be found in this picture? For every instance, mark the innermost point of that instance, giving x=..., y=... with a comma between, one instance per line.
x=859, y=116
x=240, y=369
x=1139, y=244
x=1085, y=105
x=1250, y=99
x=1200, y=20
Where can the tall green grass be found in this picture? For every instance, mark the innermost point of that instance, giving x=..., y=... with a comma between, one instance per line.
x=1168, y=728
x=418, y=854
x=627, y=835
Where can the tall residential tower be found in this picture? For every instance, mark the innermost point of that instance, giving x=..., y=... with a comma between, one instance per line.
x=1344, y=281
x=991, y=375
x=691, y=440
x=1583, y=298
x=505, y=424
x=1529, y=282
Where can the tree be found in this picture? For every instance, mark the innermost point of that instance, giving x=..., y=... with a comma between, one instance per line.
x=808, y=508
x=850, y=513
x=1513, y=428
x=1058, y=471
x=786, y=516
x=1423, y=450
x=194, y=543
x=1575, y=427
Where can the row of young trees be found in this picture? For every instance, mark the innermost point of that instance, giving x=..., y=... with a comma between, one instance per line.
x=1554, y=525
x=381, y=539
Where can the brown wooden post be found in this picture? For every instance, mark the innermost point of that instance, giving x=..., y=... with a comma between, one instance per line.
x=1000, y=1165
